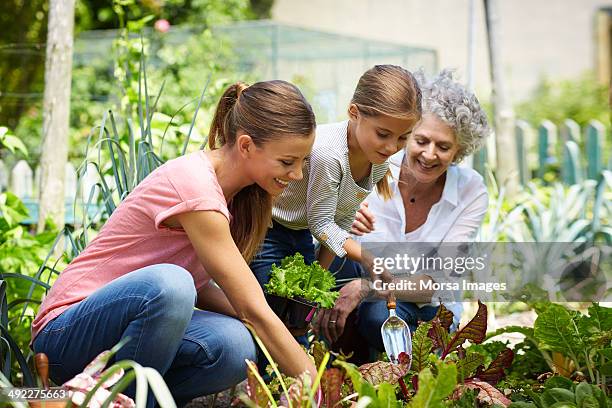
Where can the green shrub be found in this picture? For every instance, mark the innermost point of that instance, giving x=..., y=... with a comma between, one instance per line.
x=581, y=99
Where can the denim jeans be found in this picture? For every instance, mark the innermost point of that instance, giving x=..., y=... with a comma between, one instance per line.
x=197, y=352
x=280, y=242
x=372, y=314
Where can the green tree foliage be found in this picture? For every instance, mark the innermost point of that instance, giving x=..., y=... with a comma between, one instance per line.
x=22, y=56
x=101, y=14
x=581, y=99
x=23, y=53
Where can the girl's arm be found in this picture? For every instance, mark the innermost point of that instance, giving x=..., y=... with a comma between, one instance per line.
x=326, y=257
x=324, y=179
x=210, y=235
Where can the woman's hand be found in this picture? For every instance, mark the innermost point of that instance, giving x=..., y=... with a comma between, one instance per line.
x=330, y=322
x=364, y=220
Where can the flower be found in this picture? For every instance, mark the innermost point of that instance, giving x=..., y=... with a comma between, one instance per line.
x=162, y=25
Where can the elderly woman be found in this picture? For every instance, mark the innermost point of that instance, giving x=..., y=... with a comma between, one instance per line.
x=434, y=201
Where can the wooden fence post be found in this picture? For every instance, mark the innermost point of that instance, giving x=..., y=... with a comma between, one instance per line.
x=522, y=129
x=571, y=171
x=594, y=147
x=4, y=176
x=22, y=180
x=570, y=131
x=480, y=160
x=547, y=138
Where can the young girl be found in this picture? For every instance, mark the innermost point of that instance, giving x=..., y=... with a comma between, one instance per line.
x=348, y=159
x=197, y=217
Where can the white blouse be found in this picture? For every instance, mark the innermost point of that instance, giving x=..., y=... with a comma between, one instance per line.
x=455, y=218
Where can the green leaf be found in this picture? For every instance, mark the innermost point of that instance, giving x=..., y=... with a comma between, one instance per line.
x=554, y=395
x=537, y=398
x=555, y=329
x=522, y=404
x=433, y=390
x=600, y=317
x=563, y=404
x=558, y=381
x=468, y=365
x=589, y=402
x=583, y=390
x=368, y=390
x=386, y=396
x=13, y=143
x=353, y=372
x=421, y=347
x=295, y=278
x=606, y=369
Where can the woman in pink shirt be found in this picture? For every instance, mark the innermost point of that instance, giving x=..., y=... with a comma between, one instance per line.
x=197, y=217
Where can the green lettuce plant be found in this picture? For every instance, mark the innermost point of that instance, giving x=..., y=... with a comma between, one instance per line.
x=311, y=282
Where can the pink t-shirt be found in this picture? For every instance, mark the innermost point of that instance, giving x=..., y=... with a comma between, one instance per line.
x=133, y=236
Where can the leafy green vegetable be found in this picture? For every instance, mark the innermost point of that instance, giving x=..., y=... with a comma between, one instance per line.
x=434, y=389
x=295, y=278
x=421, y=347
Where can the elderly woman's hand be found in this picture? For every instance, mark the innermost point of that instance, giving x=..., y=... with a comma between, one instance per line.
x=330, y=322
x=364, y=220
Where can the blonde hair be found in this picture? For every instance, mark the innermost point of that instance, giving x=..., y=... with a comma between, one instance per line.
x=388, y=90
x=266, y=111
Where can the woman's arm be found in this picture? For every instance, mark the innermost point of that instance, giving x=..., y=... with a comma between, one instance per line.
x=210, y=235
x=212, y=298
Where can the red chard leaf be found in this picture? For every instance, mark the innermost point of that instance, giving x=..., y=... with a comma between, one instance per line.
x=495, y=372
x=475, y=331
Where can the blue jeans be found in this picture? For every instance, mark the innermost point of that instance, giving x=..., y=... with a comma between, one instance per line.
x=197, y=352
x=280, y=242
x=372, y=314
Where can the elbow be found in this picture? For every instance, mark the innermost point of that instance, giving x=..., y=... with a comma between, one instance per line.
x=256, y=317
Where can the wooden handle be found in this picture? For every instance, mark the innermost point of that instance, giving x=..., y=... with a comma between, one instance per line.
x=391, y=301
x=42, y=368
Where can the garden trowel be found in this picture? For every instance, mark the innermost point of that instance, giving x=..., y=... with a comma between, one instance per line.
x=395, y=334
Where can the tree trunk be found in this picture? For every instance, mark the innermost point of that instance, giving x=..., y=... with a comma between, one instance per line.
x=56, y=109
x=505, y=143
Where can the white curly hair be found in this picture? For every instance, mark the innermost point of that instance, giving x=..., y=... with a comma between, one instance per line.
x=456, y=106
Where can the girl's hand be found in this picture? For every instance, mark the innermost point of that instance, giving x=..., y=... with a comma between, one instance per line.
x=364, y=220
x=330, y=322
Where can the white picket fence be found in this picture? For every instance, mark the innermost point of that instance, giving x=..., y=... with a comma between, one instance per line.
x=22, y=181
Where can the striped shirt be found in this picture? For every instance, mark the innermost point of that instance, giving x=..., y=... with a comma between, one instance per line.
x=327, y=198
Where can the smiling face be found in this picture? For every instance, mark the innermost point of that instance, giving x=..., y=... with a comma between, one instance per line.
x=274, y=164
x=380, y=136
x=431, y=149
